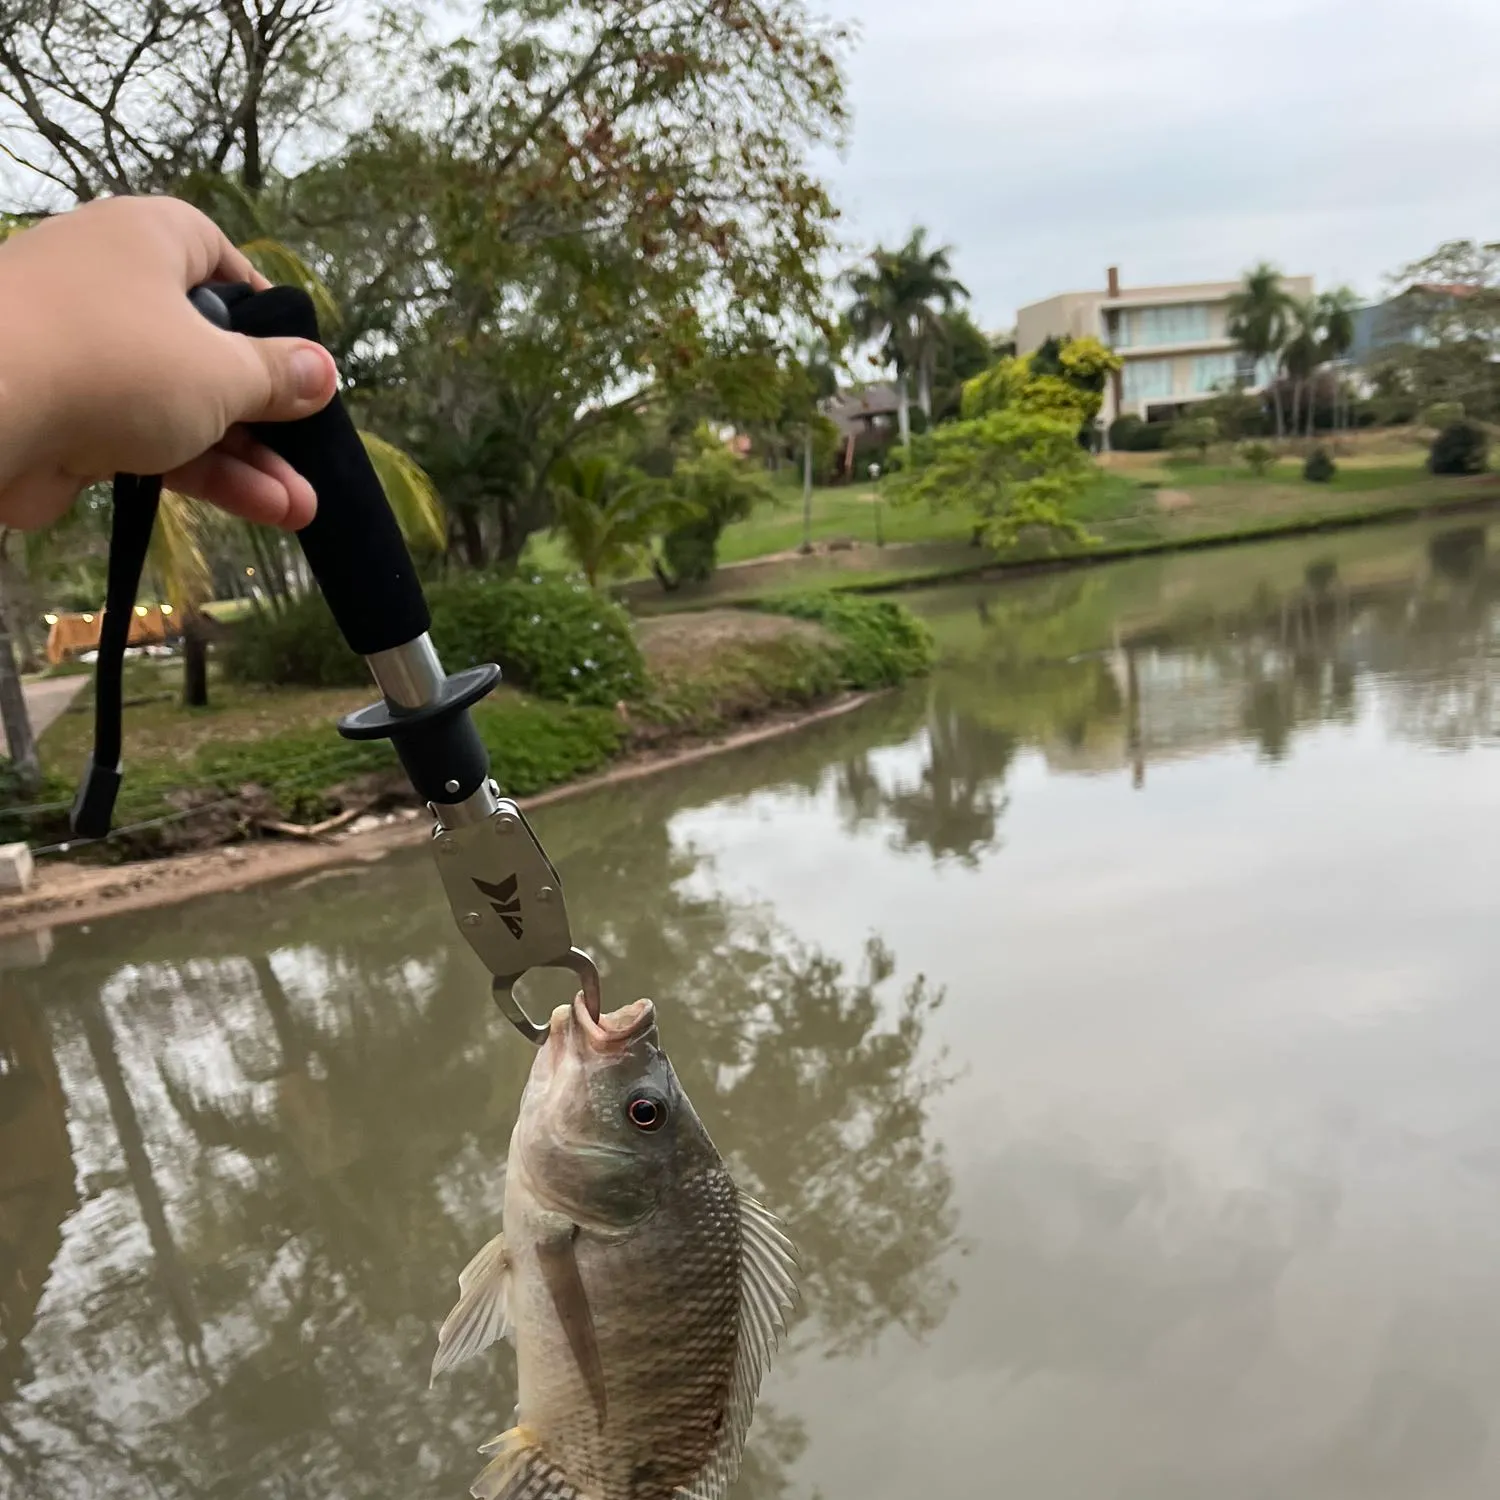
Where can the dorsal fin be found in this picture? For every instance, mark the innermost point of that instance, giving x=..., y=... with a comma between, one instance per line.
x=768, y=1290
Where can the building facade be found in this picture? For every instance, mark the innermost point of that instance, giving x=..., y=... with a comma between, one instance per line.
x=1173, y=340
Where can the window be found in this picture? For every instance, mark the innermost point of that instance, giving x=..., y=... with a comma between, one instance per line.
x=1255, y=375
x=1212, y=371
x=1146, y=379
x=1140, y=327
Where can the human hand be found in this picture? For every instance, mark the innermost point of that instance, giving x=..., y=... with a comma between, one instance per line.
x=105, y=366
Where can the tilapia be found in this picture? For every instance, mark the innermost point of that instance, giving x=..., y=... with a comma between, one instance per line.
x=643, y=1291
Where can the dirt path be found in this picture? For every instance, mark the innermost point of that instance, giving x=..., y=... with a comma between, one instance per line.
x=69, y=892
x=46, y=699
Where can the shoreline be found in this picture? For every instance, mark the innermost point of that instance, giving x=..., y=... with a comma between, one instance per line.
x=67, y=893
x=999, y=570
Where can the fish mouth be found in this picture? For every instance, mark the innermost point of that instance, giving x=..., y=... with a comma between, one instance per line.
x=615, y=1030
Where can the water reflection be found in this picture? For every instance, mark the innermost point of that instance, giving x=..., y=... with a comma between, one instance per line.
x=291, y=1151
x=1187, y=1143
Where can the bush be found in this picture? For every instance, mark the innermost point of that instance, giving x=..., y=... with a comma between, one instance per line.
x=1320, y=467
x=882, y=642
x=1460, y=448
x=1257, y=457
x=1441, y=414
x=715, y=487
x=1129, y=434
x=556, y=638
x=691, y=550
x=1195, y=433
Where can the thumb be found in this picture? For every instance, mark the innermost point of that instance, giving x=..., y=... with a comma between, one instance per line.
x=279, y=380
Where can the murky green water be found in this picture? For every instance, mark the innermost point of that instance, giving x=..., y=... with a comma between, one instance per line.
x=1115, y=1019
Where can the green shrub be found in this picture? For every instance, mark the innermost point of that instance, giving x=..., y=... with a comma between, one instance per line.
x=882, y=642
x=1129, y=434
x=691, y=550
x=1257, y=457
x=556, y=638
x=1192, y=434
x=1320, y=467
x=1460, y=448
x=715, y=487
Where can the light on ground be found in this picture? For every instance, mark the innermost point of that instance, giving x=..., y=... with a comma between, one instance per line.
x=166, y=609
x=140, y=609
x=50, y=619
x=88, y=619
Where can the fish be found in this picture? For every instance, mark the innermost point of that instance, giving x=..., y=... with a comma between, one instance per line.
x=643, y=1290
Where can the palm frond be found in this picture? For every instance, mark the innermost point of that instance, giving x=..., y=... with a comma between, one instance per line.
x=413, y=497
x=280, y=263
x=178, y=554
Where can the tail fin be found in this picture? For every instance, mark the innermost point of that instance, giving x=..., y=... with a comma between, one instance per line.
x=520, y=1468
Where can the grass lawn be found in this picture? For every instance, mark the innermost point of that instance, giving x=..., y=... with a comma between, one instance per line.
x=707, y=672
x=162, y=734
x=1135, y=500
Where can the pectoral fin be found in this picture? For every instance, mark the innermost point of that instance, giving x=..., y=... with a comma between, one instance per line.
x=482, y=1313
x=559, y=1267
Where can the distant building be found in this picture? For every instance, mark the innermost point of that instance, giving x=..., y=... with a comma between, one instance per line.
x=856, y=413
x=1402, y=320
x=865, y=419
x=1174, y=341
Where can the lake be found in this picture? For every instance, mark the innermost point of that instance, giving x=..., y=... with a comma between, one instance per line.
x=1114, y=1018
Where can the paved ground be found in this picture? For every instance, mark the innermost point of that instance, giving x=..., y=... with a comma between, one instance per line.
x=46, y=700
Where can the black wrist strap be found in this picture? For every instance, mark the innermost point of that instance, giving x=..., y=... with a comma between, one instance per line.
x=135, y=504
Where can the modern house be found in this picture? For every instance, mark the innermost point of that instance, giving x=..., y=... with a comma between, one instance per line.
x=1174, y=340
x=1403, y=320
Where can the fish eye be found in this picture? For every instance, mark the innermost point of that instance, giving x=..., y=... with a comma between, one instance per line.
x=646, y=1112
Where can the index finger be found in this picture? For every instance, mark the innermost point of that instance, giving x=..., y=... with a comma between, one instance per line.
x=211, y=257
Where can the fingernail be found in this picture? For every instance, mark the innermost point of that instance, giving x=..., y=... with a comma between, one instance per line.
x=309, y=374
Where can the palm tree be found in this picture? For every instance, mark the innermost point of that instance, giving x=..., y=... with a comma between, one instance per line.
x=1301, y=354
x=187, y=534
x=607, y=514
x=1338, y=308
x=899, y=298
x=20, y=739
x=819, y=367
x=1259, y=324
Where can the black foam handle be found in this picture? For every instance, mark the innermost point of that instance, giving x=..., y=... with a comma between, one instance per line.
x=353, y=545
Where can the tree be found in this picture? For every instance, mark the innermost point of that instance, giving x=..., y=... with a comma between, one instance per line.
x=1336, y=316
x=141, y=96
x=807, y=382
x=715, y=487
x=1193, y=433
x=1259, y=324
x=1441, y=331
x=20, y=739
x=900, y=297
x=607, y=515
x=551, y=222
x=1301, y=352
x=1016, y=470
x=1064, y=378
x=963, y=353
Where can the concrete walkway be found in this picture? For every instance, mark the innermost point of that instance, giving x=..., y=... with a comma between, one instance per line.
x=45, y=700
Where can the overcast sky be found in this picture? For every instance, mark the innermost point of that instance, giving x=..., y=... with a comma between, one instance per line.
x=1178, y=139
